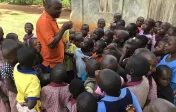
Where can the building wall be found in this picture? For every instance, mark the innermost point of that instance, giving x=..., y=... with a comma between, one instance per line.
x=89, y=11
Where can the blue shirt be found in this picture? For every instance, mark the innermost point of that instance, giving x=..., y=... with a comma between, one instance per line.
x=171, y=65
x=102, y=108
x=80, y=64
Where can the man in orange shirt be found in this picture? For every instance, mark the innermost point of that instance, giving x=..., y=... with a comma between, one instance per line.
x=50, y=36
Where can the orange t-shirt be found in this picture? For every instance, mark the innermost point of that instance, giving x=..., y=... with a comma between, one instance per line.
x=98, y=58
x=46, y=29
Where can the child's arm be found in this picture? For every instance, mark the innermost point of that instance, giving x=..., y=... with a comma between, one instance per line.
x=3, y=96
x=69, y=54
x=31, y=104
x=10, y=85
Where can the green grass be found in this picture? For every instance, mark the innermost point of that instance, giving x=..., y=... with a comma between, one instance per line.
x=13, y=21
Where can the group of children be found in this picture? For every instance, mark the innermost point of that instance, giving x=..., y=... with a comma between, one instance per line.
x=125, y=68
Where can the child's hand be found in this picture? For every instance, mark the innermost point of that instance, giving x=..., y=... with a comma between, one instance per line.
x=38, y=46
x=85, y=59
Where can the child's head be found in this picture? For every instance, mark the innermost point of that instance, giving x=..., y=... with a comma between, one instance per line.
x=164, y=28
x=120, y=36
x=76, y=87
x=99, y=46
x=27, y=57
x=112, y=52
x=117, y=17
x=13, y=36
x=72, y=35
x=58, y=74
x=158, y=24
x=91, y=66
x=44, y=79
x=9, y=51
x=108, y=36
x=132, y=29
x=171, y=31
x=86, y=102
x=29, y=28
x=170, y=47
x=137, y=66
x=33, y=42
x=97, y=34
x=163, y=75
x=78, y=39
x=112, y=26
x=85, y=29
x=148, y=25
x=120, y=23
x=1, y=33
x=140, y=21
x=142, y=40
x=109, y=82
x=109, y=62
x=87, y=45
x=159, y=50
x=101, y=23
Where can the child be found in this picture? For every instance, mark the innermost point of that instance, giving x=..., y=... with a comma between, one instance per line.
x=138, y=84
x=70, y=49
x=56, y=95
x=169, y=60
x=163, y=78
x=82, y=53
x=119, y=38
x=26, y=80
x=78, y=39
x=116, y=99
x=108, y=36
x=157, y=26
x=117, y=17
x=132, y=30
x=86, y=102
x=101, y=24
x=120, y=23
x=98, y=50
x=9, y=52
x=139, y=23
x=171, y=32
x=13, y=36
x=91, y=66
x=76, y=87
x=28, y=29
x=1, y=35
x=97, y=34
x=85, y=30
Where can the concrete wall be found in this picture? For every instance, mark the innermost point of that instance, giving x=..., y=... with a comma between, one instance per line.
x=89, y=11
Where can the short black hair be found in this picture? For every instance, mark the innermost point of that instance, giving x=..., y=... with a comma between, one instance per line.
x=120, y=23
x=143, y=40
x=76, y=87
x=114, y=53
x=30, y=24
x=58, y=73
x=162, y=68
x=102, y=43
x=45, y=79
x=141, y=50
x=160, y=22
x=91, y=66
x=151, y=22
x=90, y=42
x=27, y=56
x=13, y=36
x=86, y=102
x=86, y=25
x=109, y=82
x=49, y=2
x=100, y=32
x=132, y=28
x=139, y=64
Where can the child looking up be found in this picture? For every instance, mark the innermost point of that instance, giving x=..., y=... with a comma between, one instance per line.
x=91, y=66
x=170, y=61
x=82, y=53
x=85, y=30
x=76, y=87
x=138, y=84
x=97, y=34
x=26, y=80
x=56, y=95
x=116, y=99
x=98, y=50
x=108, y=36
x=86, y=102
x=28, y=29
x=101, y=24
x=163, y=78
x=132, y=30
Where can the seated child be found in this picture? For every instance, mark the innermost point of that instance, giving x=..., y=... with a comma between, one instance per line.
x=138, y=83
x=78, y=39
x=86, y=102
x=117, y=17
x=9, y=52
x=139, y=22
x=108, y=36
x=159, y=50
x=56, y=95
x=82, y=53
x=101, y=24
x=13, y=36
x=170, y=61
x=91, y=66
x=160, y=105
x=97, y=34
x=26, y=80
x=85, y=30
x=98, y=50
x=28, y=29
x=163, y=78
x=76, y=87
x=115, y=99
x=132, y=30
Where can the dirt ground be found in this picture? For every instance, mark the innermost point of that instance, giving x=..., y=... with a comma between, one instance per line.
x=32, y=9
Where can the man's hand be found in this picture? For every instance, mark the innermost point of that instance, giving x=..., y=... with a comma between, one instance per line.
x=38, y=46
x=67, y=25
